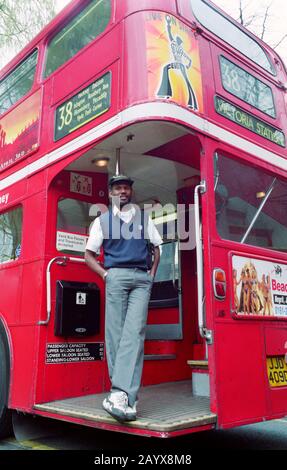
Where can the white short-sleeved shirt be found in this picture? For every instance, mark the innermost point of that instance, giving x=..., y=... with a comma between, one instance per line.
x=96, y=237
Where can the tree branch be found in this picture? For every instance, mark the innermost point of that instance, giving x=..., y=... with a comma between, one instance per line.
x=280, y=41
x=266, y=15
x=21, y=21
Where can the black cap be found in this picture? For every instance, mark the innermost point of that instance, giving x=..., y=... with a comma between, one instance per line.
x=120, y=179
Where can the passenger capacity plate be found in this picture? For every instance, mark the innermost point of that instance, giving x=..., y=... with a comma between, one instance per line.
x=277, y=371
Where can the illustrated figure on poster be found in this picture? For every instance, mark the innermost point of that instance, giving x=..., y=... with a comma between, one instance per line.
x=2, y=137
x=245, y=279
x=180, y=56
x=266, y=292
x=245, y=276
x=256, y=303
x=235, y=284
x=251, y=299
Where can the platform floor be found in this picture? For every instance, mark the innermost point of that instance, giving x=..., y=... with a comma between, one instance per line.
x=165, y=407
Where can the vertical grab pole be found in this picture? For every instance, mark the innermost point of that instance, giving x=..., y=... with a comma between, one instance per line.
x=118, y=161
x=199, y=261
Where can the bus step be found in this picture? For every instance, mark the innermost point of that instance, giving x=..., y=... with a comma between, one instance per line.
x=159, y=357
x=196, y=364
x=164, y=410
x=200, y=378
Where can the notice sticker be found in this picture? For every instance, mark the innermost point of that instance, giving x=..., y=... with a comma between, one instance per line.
x=81, y=184
x=61, y=353
x=81, y=298
x=71, y=242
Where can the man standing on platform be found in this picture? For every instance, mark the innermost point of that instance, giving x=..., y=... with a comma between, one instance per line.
x=126, y=233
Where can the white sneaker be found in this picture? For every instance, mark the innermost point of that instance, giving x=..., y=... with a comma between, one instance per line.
x=116, y=405
x=131, y=412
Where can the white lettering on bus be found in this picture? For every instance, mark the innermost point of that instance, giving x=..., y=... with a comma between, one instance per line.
x=4, y=198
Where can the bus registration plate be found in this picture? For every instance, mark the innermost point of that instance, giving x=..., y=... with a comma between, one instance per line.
x=277, y=371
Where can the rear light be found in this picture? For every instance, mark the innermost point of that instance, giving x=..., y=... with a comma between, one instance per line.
x=219, y=283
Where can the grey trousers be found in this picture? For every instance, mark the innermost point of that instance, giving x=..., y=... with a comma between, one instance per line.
x=127, y=297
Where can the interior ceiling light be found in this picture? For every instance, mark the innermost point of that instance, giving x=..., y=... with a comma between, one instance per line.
x=260, y=194
x=101, y=161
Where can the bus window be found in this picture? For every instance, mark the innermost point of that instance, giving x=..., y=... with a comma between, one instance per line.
x=246, y=87
x=83, y=28
x=10, y=235
x=250, y=205
x=230, y=33
x=168, y=266
x=73, y=224
x=18, y=82
x=166, y=282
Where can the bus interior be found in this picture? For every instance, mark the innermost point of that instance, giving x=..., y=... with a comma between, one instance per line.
x=163, y=159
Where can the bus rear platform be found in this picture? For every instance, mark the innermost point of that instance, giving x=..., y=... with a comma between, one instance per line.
x=164, y=410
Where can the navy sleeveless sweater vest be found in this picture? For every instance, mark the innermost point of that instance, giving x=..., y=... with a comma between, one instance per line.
x=126, y=245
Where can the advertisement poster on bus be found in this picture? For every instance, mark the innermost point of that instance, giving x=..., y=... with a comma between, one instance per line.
x=259, y=287
x=173, y=61
x=19, y=131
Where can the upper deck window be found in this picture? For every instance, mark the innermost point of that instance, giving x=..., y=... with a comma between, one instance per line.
x=230, y=33
x=245, y=86
x=81, y=30
x=18, y=82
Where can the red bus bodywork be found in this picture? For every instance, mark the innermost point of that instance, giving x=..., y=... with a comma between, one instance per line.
x=39, y=178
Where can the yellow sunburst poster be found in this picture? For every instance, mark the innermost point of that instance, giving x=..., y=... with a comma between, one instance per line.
x=173, y=61
x=19, y=131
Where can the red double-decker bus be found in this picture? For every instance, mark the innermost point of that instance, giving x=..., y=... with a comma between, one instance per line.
x=193, y=107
